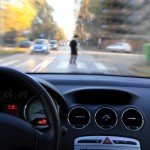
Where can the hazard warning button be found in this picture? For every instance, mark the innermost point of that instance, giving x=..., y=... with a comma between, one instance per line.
x=107, y=141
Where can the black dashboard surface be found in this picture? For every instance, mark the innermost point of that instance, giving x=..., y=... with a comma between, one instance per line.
x=117, y=93
x=88, y=105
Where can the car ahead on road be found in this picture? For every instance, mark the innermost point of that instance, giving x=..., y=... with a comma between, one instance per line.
x=53, y=44
x=120, y=47
x=25, y=44
x=40, y=46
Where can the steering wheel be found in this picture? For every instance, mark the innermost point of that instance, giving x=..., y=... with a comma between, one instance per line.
x=17, y=134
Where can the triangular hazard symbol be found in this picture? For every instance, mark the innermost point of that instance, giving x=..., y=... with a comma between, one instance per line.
x=107, y=141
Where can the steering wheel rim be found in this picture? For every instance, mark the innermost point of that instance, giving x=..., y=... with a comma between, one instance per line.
x=50, y=138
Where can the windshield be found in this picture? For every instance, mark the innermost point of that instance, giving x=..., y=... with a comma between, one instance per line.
x=108, y=37
x=53, y=42
x=39, y=42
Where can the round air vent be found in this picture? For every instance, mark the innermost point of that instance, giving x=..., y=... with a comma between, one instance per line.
x=106, y=118
x=79, y=117
x=132, y=119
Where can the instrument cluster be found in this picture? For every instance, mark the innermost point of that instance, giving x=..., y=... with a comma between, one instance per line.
x=21, y=103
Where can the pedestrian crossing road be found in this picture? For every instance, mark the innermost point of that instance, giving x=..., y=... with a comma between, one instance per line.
x=58, y=62
x=53, y=64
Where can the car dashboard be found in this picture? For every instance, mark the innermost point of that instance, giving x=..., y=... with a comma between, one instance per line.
x=96, y=112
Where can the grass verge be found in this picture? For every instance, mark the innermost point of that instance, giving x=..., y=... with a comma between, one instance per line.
x=10, y=51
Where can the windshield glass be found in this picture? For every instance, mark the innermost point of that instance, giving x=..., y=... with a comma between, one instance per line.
x=53, y=42
x=108, y=37
x=39, y=42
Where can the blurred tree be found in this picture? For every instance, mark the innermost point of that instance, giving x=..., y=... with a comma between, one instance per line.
x=32, y=17
x=44, y=24
x=18, y=16
x=60, y=35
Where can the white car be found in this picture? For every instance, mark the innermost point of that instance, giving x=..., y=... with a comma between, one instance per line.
x=120, y=47
x=53, y=44
x=40, y=46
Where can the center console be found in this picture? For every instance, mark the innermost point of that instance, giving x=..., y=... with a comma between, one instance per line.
x=106, y=143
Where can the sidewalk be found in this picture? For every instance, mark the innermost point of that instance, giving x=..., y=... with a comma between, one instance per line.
x=142, y=70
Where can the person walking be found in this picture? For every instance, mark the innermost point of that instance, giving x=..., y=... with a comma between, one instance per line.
x=74, y=50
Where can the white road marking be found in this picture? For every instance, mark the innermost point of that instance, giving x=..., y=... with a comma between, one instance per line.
x=63, y=65
x=9, y=63
x=2, y=61
x=43, y=64
x=22, y=64
x=81, y=65
x=100, y=66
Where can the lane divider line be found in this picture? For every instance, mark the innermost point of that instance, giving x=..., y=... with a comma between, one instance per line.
x=43, y=64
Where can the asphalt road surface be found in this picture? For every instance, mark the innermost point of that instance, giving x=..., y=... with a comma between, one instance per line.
x=87, y=62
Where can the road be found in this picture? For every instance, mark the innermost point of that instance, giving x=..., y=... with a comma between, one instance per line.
x=87, y=62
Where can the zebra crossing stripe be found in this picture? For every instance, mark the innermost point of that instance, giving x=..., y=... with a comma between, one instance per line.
x=2, y=61
x=63, y=65
x=9, y=63
x=43, y=64
x=100, y=66
x=22, y=64
x=81, y=65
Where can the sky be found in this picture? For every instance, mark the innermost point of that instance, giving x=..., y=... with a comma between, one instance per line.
x=64, y=15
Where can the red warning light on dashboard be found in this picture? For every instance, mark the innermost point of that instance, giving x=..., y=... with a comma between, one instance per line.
x=12, y=107
x=42, y=122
